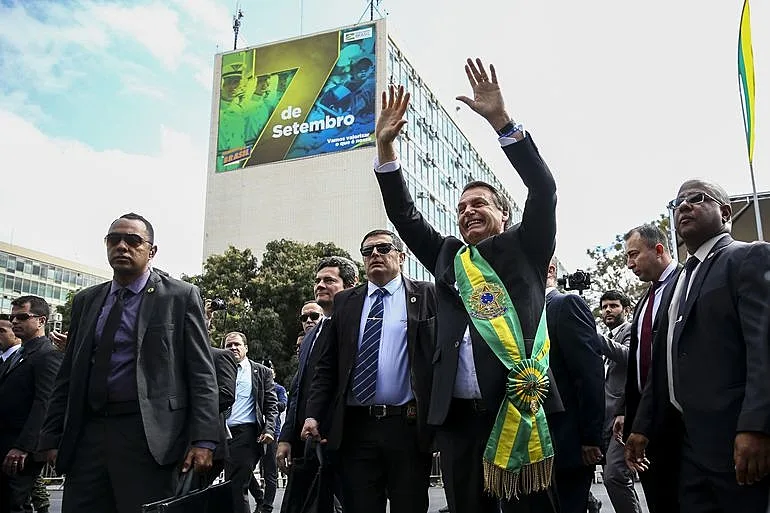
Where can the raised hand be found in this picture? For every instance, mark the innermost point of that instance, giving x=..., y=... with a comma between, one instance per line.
x=391, y=120
x=487, y=99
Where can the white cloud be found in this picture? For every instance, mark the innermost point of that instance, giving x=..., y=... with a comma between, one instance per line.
x=214, y=17
x=78, y=191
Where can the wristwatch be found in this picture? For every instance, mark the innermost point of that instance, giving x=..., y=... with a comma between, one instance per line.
x=510, y=129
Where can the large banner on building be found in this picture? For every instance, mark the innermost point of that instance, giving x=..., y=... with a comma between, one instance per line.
x=297, y=98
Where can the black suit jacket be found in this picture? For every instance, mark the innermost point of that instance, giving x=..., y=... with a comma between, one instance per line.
x=265, y=398
x=520, y=256
x=300, y=386
x=227, y=369
x=578, y=369
x=340, y=347
x=720, y=356
x=176, y=381
x=632, y=396
x=25, y=388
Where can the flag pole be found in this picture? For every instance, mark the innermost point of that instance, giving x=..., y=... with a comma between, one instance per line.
x=758, y=217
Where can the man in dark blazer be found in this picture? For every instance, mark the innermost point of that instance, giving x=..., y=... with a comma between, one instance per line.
x=711, y=363
x=136, y=396
x=226, y=368
x=26, y=381
x=468, y=379
x=374, y=377
x=251, y=420
x=333, y=274
x=578, y=369
x=648, y=257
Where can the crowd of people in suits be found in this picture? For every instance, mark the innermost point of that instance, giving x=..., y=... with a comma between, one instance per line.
x=489, y=365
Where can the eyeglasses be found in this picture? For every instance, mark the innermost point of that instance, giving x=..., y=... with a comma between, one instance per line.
x=21, y=317
x=382, y=249
x=132, y=239
x=692, y=199
x=311, y=315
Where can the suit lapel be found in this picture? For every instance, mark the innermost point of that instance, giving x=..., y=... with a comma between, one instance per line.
x=353, y=310
x=88, y=327
x=304, y=350
x=146, y=307
x=413, y=304
x=13, y=362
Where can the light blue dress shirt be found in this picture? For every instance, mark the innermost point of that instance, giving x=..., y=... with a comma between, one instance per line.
x=244, y=411
x=394, y=383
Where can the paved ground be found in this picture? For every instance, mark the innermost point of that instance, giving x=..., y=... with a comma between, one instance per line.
x=437, y=499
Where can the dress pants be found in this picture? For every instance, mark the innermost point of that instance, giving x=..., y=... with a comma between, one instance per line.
x=16, y=490
x=572, y=488
x=461, y=440
x=244, y=453
x=113, y=470
x=269, y=471
x=619, y=481
x=301, y=474
x=380, y=460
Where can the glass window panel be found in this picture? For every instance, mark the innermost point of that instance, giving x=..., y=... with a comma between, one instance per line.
x=3, y=259
x=20, y=265
x=34, y=287
x=65, y=276
x=51, y=273
x=28, y=267
x=57, y=275
x=56, y=292
x=49, y=291
x=63, y=294
x=2, y=281
x=36, y=269
x=25, y=286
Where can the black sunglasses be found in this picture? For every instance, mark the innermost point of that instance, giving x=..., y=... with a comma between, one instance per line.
x=132, y=239
x=22, y=316
x=311, y=315
x=692, y=199
x=383, y=249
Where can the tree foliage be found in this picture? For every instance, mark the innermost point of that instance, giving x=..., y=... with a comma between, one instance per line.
x=264, y=299
x=66, y=311
x=609, y=271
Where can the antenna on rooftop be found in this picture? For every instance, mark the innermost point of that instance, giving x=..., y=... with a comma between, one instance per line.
x=373, y=6
x=236, y=26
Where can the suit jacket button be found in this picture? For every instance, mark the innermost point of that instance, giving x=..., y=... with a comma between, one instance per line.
x=457, y=343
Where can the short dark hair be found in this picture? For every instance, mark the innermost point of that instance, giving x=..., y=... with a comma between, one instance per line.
x=243, y=337
x=5, y=317
x=136, y=217
x=500, y=200
x=616, y=295
x=37, y=305
x=650, y=234
x=346, y=268
x=397, y=242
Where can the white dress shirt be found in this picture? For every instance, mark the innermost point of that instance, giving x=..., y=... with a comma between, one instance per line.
x=9, y=352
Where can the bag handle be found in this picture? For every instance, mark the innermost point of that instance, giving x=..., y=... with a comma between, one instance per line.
x=185, y=484
x=312, y=445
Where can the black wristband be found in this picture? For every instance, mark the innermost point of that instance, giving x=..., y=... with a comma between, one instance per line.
x=507, y=129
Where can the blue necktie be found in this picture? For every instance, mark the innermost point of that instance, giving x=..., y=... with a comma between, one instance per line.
x=365, y=371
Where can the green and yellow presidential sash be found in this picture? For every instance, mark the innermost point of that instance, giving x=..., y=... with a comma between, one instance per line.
x=519, y=455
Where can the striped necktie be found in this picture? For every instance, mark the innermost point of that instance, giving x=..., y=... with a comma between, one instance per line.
x=365, y=371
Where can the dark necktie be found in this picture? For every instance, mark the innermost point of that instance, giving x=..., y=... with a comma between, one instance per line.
x=365, y=371
x=645, y=340
x=100, y=370
x=610, y=335
x=8, y=362
x=689, y=266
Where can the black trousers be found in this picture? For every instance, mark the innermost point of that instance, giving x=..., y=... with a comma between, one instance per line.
x=380, y=461
x=572, y=488
x=704, y=491
x=301, y=475
x=269, y=470
x=113, y=470
x=462, y=440
x=239, y=465
x=16, y=490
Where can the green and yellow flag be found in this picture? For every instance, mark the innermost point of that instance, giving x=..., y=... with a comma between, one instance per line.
x=746, y=78
x=519, y=454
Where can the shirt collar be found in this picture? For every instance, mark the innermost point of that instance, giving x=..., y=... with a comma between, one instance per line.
x=135, y=286
x=8, y=352
x=705, y=249
x=617, y=328
x=668, y=270
x=392, y=286
x=548, y=290
x=244, y=364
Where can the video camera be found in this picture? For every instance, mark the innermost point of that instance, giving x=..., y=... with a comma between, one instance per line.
x=579, y=280
x=218, y=304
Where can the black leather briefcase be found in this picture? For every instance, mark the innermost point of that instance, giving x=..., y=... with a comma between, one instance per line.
x=212, y=499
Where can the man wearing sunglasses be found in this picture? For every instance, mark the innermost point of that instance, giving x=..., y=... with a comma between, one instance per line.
x=26, y=381
x=137, y=396
x=310, y=315
x=333, y=275
x=469, y=379
x=708, y=390
x=373, y=378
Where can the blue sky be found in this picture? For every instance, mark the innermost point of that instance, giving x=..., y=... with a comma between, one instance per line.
x=105, y=105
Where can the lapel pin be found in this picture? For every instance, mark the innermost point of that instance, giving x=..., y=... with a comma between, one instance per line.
x=151, y=290
x=413, y=299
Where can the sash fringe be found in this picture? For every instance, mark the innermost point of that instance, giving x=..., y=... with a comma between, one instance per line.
x=531, y=478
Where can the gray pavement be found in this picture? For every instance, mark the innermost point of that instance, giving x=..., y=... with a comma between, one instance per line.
x=436, y=495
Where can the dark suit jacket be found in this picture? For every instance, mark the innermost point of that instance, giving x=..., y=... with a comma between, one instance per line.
x=721, y=361
x=300, y=387
x=630, y=403
x=25, y=388
x=578, y=368
x=265, y=398
x=227, y=369
x=176, y=381
x=520, y=256
x=340, y=347
x=615, y=350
